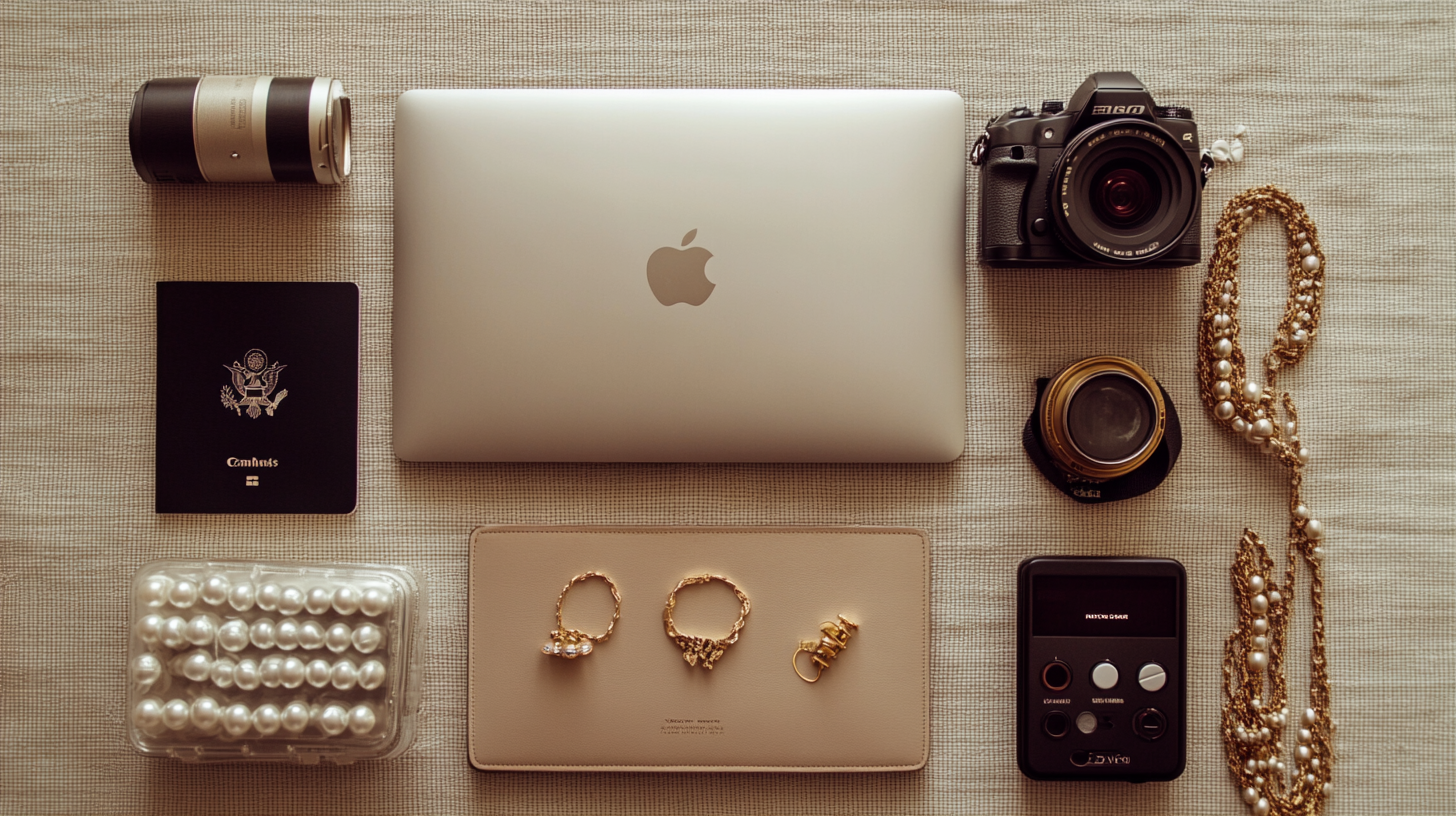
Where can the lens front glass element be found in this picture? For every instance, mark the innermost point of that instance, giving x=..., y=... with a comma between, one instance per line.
x=1111, y=418
x=1125, y=194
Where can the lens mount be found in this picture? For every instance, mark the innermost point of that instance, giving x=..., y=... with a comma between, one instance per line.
x=1102, y=417
x=1123, y=193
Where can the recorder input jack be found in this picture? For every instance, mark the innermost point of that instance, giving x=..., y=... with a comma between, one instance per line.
x=1056, y=724
x=1056, y=675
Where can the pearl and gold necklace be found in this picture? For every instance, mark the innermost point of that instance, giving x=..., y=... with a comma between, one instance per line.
x=1255, y=719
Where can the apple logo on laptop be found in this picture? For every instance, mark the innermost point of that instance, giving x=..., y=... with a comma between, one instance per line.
x=680, y=275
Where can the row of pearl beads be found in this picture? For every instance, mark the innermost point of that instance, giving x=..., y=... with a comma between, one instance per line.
x=1313, y=528
x=270, y=672
x=290, y=600
x=1309, y=262
x=235, y=635
x=1261, y=602
x=209, y=716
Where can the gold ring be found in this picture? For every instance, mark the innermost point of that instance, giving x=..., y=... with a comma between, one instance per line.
x=821, y=652
x=699, y=650
x=573, y=643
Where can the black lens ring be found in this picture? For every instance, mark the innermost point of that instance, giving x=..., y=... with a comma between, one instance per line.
x=1073, y=218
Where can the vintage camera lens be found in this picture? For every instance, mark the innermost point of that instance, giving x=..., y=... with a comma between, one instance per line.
x=241, y=129
x=1124, y=193
x=1102, y=417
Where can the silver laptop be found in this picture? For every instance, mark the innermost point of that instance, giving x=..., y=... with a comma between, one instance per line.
x=679, y=276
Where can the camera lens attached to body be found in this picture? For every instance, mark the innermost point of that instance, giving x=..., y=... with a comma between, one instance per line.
x=1124, y=192
x=1103, y=430
x=241, y=129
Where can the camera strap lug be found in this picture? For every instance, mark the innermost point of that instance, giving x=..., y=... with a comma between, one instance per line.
x=978, y=150
x=1205, y=167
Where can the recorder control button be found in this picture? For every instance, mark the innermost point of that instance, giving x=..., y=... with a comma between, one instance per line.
x=1104, y=675
x=1086, y=722
x=1149, y=723
x=1152, y=677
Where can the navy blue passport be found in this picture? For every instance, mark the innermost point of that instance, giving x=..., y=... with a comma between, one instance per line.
x=257, y=397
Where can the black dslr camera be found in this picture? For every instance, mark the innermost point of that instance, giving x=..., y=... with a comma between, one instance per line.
x=1112, y=179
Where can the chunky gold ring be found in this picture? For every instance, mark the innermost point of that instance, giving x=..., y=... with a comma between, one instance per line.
x=573, y=643
x=698, y=650
x=821, y=652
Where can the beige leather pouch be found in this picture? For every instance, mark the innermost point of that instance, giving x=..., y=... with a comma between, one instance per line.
x=634, y=704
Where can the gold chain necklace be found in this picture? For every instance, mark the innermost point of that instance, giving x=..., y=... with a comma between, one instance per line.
x=1254, y=719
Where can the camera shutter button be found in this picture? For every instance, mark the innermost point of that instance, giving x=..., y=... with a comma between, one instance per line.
x=1152, y=677
x=1104, y=675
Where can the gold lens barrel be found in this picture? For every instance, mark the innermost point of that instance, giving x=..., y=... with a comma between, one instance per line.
x=1102, y=417
x=241, y=129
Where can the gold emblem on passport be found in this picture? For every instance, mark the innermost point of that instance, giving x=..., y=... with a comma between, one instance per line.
x=255, y=379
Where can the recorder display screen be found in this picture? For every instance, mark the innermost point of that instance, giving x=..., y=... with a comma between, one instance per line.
x=1104, y=606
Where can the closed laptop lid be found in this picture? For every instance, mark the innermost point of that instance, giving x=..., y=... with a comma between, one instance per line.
x=609, y=275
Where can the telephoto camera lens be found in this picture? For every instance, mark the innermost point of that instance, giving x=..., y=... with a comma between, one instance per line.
x=1102, y=417
x=241, y=129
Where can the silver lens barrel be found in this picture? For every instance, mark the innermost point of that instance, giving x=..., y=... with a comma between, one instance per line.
x=241, y=129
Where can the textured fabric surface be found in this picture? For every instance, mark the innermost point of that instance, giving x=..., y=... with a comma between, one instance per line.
x=1350, y=109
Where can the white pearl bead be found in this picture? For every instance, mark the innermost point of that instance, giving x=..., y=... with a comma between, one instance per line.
x=333, y=720
x=148, y=714
x=175, y=714
x=146, y=670
x=311, y=635
x=1306, y=249
x=285, y=634
x=246, y=675
x=361, y=719
x=270, y=671
x=371, y=675
x=233, y=635
x=1274, y=597
x=205, y=713
x=346, y=600
x=1304, y=456
x=1225, y=300
x=201, y=630
x=1310, y=263
x=1223, y=348
x=1304, y=317
x=183, y=594
x=196, y=666
x=1261, y=807
x=1263, y=429
x=1261, y=625
x=345, y=675
x=1253, y=391
x=1290, y=428
x=149, y=629
x=367, y=638
x=267, y=719
x=268, y=597
x=242, y=596
x=318, y=600
x=1250, y=766
x=290, y=601
x=294, y=717
x=1222, y=390
x=376, y=601
x=1310, y=778
x=1228, y=286
x=291, y=673
x=215, y=589
x=1300, y=337
x=1261, y=643
x=1314, y=763
x=263, y=633
x=338, y=637
x=1263, y=764
x=1302, y=753
x=222, y=673
x=1223, y=368
x=154, y=590
x=1240, y=426
x=1224, y=410
x=1301, y=236
x=1259, y=781
x=1314, y=529
x=237, y=719
x=1301, y=512
x=1305, y=735
x=1258, y=661
x=1310, y=717
x=317, y=673
x=1261, y=604
x=1256, y=583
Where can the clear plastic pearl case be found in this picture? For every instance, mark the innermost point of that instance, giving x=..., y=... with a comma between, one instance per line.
x=274, y=661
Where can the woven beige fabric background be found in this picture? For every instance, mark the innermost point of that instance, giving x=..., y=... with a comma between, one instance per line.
x=1350, y=106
